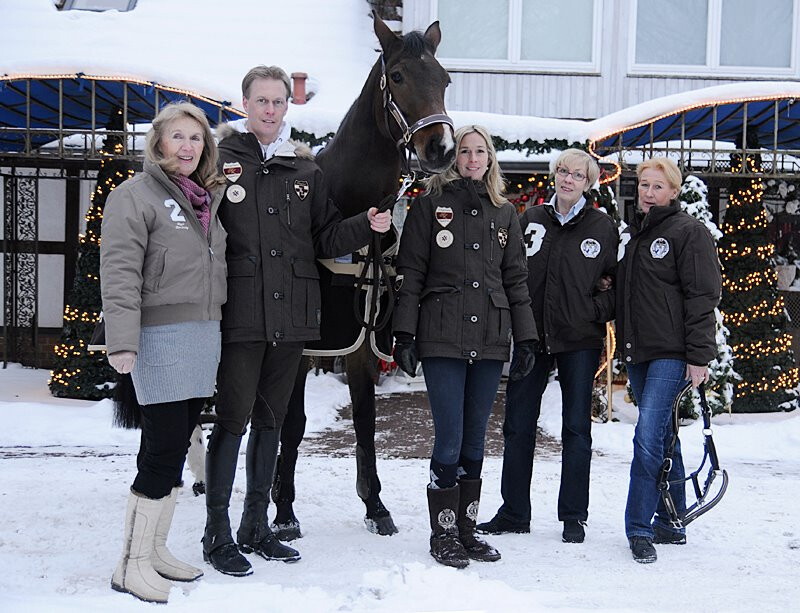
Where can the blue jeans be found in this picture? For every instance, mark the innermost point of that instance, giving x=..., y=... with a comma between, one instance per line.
x=523, y=402
x=655, y=386
x=461, y=396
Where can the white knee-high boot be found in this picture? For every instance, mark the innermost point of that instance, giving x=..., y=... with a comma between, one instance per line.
x=164, y=563
x=134, y=573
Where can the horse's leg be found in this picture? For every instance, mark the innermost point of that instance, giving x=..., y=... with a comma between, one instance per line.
x=361, y=378
x=286, y=526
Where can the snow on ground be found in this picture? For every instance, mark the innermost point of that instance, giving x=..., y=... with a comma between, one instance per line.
x=64, y=473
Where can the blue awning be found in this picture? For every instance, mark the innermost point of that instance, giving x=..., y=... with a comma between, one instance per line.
x=46, y=108
x=775, y=123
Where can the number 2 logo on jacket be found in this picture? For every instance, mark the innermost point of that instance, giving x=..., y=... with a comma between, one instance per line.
x=534, y=237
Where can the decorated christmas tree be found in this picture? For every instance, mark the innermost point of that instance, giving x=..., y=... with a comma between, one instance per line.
x=80, y=373
x=719, y=389
x=753, y=309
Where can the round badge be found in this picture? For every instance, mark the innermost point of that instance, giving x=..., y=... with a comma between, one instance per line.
x=444, y=239
x=235, y=193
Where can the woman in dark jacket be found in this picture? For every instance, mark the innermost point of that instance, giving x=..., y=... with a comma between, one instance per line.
x=162, y=273
x=463, y=297
x=570, y=245
x=668, y=285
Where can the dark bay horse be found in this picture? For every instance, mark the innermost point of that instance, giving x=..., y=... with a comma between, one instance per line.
x=362, y=165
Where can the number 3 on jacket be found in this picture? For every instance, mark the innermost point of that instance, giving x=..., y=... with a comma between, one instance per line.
x=534, y=236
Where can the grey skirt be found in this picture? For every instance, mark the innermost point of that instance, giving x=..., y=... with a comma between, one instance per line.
x=177, y=362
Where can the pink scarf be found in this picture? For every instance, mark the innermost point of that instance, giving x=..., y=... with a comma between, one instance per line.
x=199, y=198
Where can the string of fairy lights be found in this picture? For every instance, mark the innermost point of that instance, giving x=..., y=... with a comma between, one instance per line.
x=770, y=307
x=94, y=215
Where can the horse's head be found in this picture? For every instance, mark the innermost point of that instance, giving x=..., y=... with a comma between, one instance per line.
x=416, y=82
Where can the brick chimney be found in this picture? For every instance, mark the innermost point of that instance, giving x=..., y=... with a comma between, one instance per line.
x=299, y=87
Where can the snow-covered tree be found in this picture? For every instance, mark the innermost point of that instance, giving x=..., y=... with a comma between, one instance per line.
x=754, y=311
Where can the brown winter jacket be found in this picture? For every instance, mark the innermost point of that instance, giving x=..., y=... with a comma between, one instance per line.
x=157, y=266
x=283, y=222
x=668, y=285
x=464, y=276
x=564, y=265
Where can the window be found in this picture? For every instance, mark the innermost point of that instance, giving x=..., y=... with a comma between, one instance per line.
x=714, y=37
x=519, y=35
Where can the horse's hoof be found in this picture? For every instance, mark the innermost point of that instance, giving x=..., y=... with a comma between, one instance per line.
x=384, y=526
x=288, y=531
x=199, y=488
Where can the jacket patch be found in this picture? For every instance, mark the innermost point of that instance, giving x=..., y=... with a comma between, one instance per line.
x=590, y=248
x=444, y=215
x=235, y=193
x=301, y=189
x=659, y=248
x=232, y=171
x=502, y=237
x=444, y=239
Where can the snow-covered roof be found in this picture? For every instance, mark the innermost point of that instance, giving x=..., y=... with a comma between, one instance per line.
x=206, y=46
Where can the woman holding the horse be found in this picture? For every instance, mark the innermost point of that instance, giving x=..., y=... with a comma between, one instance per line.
x=162, y=269
x=463, y=297
x=668, y=285
x=570, y=246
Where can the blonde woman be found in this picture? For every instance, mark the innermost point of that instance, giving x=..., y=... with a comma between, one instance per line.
x=463, y=297
x=162, y=273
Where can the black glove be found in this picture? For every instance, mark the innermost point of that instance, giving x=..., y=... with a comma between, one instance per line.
x=523, y=360
x=405, y=353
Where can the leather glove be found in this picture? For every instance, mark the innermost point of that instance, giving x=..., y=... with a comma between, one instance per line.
x=405, y=353
x=122, y=361
x=523, y=360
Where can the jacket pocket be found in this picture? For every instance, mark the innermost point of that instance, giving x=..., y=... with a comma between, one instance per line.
x=439, y=314
x=238, y=311
x=153, y=270
x=498, y=319
x=306, y=302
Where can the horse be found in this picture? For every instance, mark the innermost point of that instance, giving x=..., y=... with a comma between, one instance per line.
x=401, y=106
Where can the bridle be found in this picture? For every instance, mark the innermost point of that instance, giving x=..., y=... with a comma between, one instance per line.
x=374, y=260
x=407, y=132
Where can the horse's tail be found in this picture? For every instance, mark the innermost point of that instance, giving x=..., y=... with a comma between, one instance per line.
x=127, y=412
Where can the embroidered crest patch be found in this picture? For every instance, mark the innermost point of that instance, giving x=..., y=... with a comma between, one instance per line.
x=444, y=239
x=444, y=215
x=472, y=510
x=301, y=189
x=235, y=193
x=659, y=248
x=446, y=518
x=502, y=237
x=232, y=171
x=590, y=248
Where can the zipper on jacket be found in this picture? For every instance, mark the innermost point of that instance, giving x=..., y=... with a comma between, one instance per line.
x=491, y=241
x=288, y=203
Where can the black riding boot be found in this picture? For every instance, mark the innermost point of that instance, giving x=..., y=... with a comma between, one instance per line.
x=446, y=547
x=286, y=526
x=468, y=502
x=378, y=519
x=218, y=546
x=254, y=534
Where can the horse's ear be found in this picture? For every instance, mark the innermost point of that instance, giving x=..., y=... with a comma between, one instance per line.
x=434, y=34
x=387, y=38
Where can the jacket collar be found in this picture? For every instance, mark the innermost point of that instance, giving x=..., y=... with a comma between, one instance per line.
x=656, y=215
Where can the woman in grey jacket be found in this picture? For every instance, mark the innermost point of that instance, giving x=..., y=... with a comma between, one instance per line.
x=162, y=273
x=463, y=297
